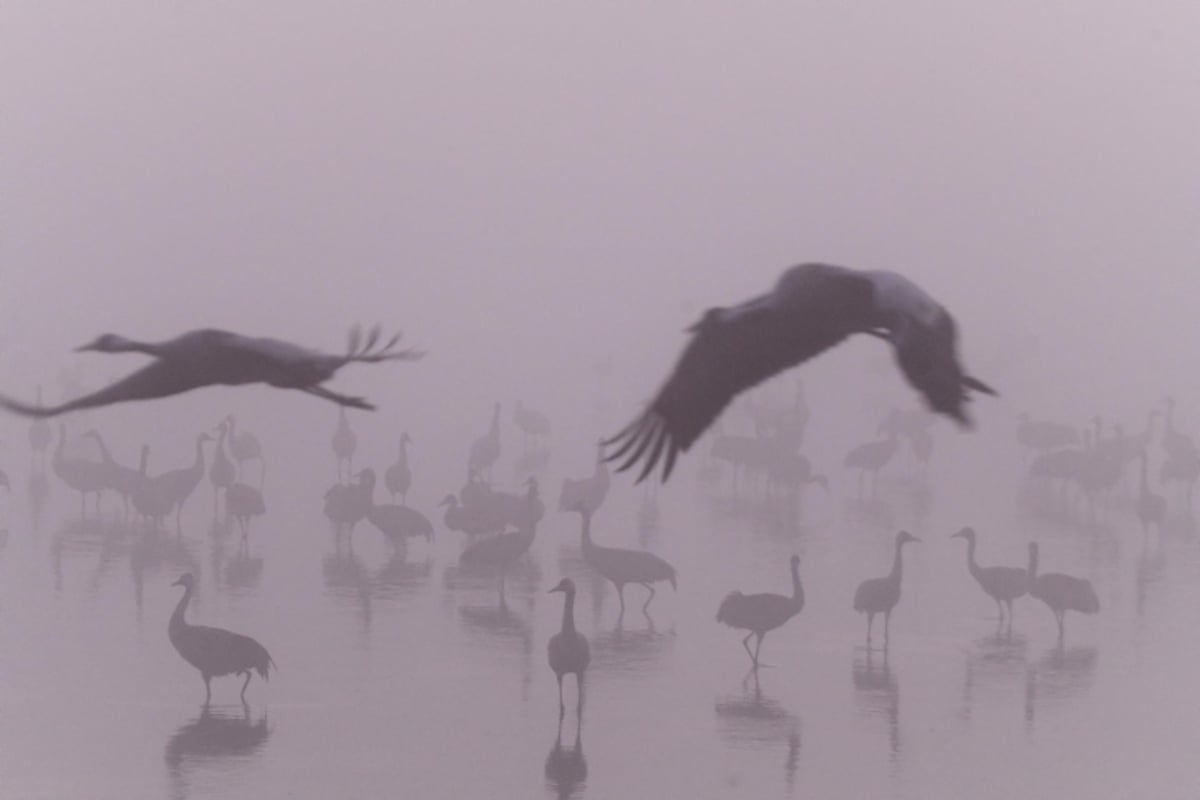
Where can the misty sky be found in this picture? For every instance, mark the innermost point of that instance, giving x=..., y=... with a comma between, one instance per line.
x=525, y=188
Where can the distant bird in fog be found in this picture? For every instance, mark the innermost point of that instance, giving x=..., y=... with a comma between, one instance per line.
x=871, y=457
x=589, y=491
x=762, y=613
x=398, y=477
x=622, y=566
x=1151, y=507
x=1002, y=584
x=84, y=476
x=812, y=308
x=501, y=551
x=568, y=649
x=213, y=357
x=1062, y=593
x=485, y=450
x=344, y=444
x=534, y=425
x=177, y=485
x=347, y=505
x=242, y=502
x=397, y=523
x=118, y=477
x=4, y=481
x=880, y=595
x=215, y=651
x=245, y=447
x=1042, y=435
x=223, y=472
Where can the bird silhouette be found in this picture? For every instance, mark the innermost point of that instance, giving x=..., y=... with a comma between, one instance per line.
x=242, y=502
x=1062, y=593
x=119, y=478
x=568, y=649
x=344, y=444
x=398, y=477
x=1002, y=584
x=244, y=446
x=211, y=357
x=498, y=553
x=485, y=450
x=812, y=308
x=880, y=595
x=534, y=425
x=223, y=471
x=178, y=485
x=82, y=475
x=590, y=491
x=215, y=651
x=761, y=613
x=397, y=523
x=622, y=566
x=1151, y=507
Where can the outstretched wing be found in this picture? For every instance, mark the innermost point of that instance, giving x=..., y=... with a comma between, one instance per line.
x=928, y=357
x=735, y=349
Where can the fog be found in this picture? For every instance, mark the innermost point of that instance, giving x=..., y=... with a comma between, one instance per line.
x=542, y=197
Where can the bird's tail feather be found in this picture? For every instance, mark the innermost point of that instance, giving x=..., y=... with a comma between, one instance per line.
x=978, y=385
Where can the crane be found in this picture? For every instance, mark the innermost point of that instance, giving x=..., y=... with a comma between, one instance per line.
x=812, y=308
x=761, y=613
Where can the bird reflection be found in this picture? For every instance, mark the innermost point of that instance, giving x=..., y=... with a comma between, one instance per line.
x=347, y=577
x=39, y=494
x=1060, y=674
x=1151, y=569
x=503, y=628
x=877, y=694
x=632, y=651
x=754, y=720
x=218, y=741
x=994, y=659
x=401, y=575
x=566, y=770
x=241, y=570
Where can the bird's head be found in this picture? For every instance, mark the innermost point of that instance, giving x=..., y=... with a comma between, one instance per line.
x=967, y=533
x=821, y=480
x=904, y=536
x=405, y=438
x=449, y=500
x=795, y=561
x=708, y=319
x=205, y=437
x=565, y=585
x=185, y=580
x=105, y=343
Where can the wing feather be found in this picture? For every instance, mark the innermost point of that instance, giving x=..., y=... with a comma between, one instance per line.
x=735, y=349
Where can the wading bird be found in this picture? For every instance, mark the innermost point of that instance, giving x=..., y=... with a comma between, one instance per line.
x=622, y=566
x=214, y=357
x=812, y=308
x=215, y=651
x=760, y=613
x=1002, y=584
x=568, y=649
x=880, y=595
x=1062, y=593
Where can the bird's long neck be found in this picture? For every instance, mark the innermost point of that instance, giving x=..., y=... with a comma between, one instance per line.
x=1144, y=484
x=104, y=454
x=1033, y=563
x=897, y=564
x=119, y=344
x=199, y=462
x=177, y=620
x=568, y=623
x=797, y=589
x=145, y=460
x=586, y=517
x=404, y=452
x=972, y=566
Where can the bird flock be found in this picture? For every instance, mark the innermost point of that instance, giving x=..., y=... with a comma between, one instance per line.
x=811, y=309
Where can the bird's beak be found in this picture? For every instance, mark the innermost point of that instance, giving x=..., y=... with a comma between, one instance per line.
x=914, y=539
x=178, y=582
x=959, y=535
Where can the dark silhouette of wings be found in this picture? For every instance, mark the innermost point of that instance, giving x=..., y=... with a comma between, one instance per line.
x=927, y=355
x=735, y=349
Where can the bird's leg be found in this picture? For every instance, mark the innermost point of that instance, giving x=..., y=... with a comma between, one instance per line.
x=562, y=709
x=579, y=702
x=757, y=647
x=244, y=685
x=207, y=688
x=648, y=599
x=621, y=594
x=1009, y=604
x=870, y=621
x=1058, y=617
x=746, y=644
x=999, y=609
x=887, y=624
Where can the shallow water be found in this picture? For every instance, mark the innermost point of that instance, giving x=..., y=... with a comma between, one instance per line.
x=400, y=676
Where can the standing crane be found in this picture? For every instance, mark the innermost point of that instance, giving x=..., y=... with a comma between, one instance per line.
x=398, y=477
x=762, y=613
x=880, y=595
x=622, y=566
x=1002, y=584
x=215, y=651
x=1062, y=593
x=344, y=444
x=485, y=451
x=568, y=650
